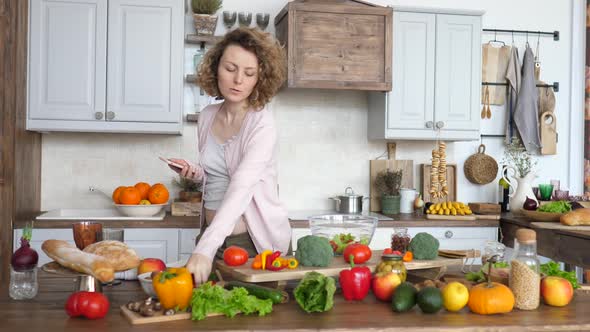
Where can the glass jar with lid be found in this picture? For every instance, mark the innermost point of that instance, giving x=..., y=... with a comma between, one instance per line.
x=525, y=277
x=400, y=240
x=493, y=248
x=392, y=264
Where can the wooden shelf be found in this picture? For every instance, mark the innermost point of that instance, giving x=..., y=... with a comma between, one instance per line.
x=191, y=78
x=198, y=39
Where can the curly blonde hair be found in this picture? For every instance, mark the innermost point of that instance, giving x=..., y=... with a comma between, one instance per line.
x=272, y=66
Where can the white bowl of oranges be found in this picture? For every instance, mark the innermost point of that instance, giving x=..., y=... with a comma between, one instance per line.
x=141, y=200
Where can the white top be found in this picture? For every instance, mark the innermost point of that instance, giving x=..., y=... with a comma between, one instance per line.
x=215, y=168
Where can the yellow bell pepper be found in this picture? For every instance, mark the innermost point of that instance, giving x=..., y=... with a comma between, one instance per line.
x=174, y=288
x=263, y=257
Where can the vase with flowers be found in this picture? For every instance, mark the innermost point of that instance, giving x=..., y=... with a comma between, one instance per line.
x=387, y=184
x=522, y=165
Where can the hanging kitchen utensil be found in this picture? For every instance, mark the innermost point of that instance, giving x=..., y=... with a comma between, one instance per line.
x=537, y=61
x=486, y=96
x=548, y=133
x=489, y=110
x=480, y=168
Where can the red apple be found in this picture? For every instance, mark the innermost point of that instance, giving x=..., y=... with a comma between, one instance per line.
x=151, y=264
x=383, y=285
x=556, y=291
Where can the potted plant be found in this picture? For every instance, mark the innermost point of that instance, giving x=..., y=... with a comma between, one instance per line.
x=191, y=190
x=204, y=16
x=387, y=184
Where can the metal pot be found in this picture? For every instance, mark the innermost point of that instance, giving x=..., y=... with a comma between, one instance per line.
x=349, y=203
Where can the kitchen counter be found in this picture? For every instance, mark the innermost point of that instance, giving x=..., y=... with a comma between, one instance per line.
x=568, y=246
x=297, y=221
x=46, y=313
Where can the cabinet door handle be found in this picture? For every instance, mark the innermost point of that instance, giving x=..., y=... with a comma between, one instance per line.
x=439, y=124
x=448, y=234
x=98, y=115
x=429, y=124
x=110, y=115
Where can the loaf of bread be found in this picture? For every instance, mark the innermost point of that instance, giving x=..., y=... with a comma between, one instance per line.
x=117, y=253
x=576, y=217
x=71, y=257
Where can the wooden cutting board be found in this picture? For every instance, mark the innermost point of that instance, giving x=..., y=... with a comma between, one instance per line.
x=247, y=274
x=136, y=319
x=485, y=208
x=451, y=183
x=376, y=166
x=466, y=218
x=548, y=133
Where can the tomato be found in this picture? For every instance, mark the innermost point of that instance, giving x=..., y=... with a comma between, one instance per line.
x=360, y=253
x=235, y=256
x=387, y=251
x=91, y=305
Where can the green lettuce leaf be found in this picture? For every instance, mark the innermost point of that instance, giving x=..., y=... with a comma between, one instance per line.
x=208, y=298
x=315, y=292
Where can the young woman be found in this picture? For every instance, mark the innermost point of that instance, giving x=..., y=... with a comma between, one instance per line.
x=237, y=150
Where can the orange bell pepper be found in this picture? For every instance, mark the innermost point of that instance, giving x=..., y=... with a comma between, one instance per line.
x=408, y=256
x=257, y=262
x=174, y=288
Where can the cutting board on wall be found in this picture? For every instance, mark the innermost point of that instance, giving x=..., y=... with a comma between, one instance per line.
x=451, y=183
x=548, y=133
x=407, y=166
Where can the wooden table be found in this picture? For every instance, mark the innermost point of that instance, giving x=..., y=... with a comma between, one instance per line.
x=46, y=313
x=568, y=246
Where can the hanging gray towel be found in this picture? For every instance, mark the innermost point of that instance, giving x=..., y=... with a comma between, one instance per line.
x=526, y=114
x=513, y=78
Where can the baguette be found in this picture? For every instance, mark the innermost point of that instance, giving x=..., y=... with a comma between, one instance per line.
x=117, y=253
x=71, y=257
x=576, y=217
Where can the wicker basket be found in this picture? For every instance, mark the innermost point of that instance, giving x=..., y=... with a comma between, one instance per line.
x=480, y=168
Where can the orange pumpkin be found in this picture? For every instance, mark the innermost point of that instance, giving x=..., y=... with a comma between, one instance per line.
x=130, y=196
x=490, y=298
x=158, y=194
x=117, y=194
x=143, y=188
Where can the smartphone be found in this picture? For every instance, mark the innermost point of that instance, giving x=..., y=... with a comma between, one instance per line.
x=176, y=167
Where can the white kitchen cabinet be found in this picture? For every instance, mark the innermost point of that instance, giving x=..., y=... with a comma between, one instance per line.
x=71, y=87
x=187, y=242
x=435, y=78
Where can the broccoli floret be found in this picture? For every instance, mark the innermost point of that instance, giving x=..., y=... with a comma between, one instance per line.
x=424, y=246
x=314, y=251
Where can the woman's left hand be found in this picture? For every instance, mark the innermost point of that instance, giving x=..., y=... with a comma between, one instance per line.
x=200, y=266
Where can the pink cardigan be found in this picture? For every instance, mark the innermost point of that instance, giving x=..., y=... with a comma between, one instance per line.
x=252, y=191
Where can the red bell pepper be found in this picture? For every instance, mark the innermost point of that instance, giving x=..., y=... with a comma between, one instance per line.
x=355, y=282
x=273, y=263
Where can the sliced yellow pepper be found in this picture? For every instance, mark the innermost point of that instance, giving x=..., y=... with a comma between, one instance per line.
x=174, y=288
x=292, y=263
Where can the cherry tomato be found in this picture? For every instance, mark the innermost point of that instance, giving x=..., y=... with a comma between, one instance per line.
x=387, y=251
x=360, y=253
x=235, y=256
x=91, y=305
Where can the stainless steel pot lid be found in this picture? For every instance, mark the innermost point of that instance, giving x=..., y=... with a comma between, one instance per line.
x=349, y=193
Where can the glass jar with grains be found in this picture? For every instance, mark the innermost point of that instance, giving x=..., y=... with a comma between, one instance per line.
x=525, y=278
x=400, y=240
x=392, y=264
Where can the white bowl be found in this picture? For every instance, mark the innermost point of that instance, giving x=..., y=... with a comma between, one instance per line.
x=145, y=279
x=140, y=210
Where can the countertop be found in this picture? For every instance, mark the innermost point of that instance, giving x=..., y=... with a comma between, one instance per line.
x=297, y=221
x=46, y=313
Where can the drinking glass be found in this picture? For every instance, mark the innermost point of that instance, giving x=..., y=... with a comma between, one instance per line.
x=561, y=195
x=86, y=233
x=262, y=20
x=546, y=190
x=537, y=193
x=229, y=19
x=244, y=19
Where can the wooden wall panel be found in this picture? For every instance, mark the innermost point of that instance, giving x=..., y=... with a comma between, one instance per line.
x=20, y=156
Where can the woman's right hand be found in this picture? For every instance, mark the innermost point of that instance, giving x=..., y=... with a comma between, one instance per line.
x=189, y=170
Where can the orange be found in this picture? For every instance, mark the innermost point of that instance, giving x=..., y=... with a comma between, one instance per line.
x=117, y=193
x=158, y=194
x=130, y=195
x=143, y=189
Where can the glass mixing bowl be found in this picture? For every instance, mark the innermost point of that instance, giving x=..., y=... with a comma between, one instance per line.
x=343, y=229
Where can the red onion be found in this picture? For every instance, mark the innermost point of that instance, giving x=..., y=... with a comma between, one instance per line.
x=529, y=204
x=24, y=258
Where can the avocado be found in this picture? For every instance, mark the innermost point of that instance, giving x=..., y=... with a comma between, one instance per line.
x=429, y=299
x=404, y=297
